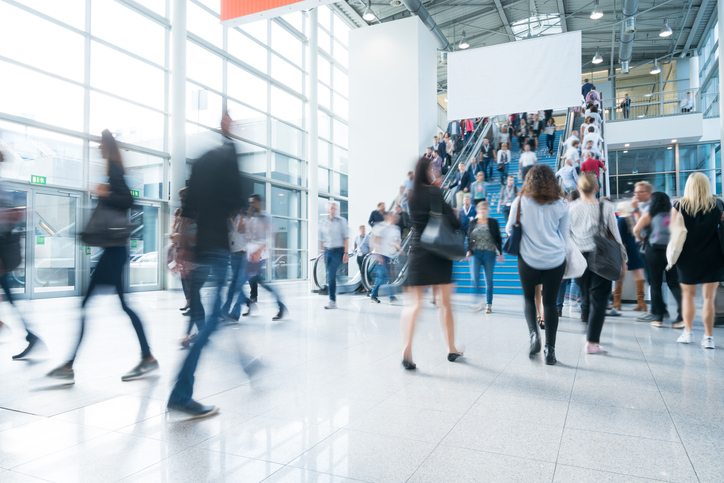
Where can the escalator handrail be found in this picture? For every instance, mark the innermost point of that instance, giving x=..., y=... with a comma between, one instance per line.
x=568, y=127
x=470, y=145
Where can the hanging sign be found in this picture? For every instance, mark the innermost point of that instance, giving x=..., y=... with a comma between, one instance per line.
x=240, y=12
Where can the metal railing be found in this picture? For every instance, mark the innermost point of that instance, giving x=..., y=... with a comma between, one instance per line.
x=709, y=104
x=655, y=104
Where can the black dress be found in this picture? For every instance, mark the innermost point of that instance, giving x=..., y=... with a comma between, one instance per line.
x=701, y=259
x=426, y=268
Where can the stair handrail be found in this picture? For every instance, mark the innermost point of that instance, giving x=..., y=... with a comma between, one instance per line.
x=478, y=135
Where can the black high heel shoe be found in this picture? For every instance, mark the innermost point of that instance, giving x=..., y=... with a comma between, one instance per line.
x=409, y=365
x=453, y=356
x=541, y=324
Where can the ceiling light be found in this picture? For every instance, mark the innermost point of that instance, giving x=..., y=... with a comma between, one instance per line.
x=597, y=12
x=670, y=147
x=626, y=145
x=666, y=30
x=445, y=98
x=625, y=152
x=673, y=140
x=368, y=15
x=655, y=69
x=597, y=59
x=464, y=43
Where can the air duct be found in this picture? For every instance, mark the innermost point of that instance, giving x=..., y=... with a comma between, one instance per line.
x=628, y=29
x=416, y=8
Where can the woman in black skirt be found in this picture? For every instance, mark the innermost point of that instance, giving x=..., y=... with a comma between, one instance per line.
x=425, y=268
x=701, y=261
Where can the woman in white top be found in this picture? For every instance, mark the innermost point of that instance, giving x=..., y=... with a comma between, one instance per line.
x=503, y=137
x=542, y=254
x=550, y=131
x=585, y=219
x=503, y=163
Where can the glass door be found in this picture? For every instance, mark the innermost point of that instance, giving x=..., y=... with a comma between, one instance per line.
x=54, y=243
x=19, y=206
x=147, y=251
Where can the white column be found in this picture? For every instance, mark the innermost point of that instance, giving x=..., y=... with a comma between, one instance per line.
x=178, y=101
x=720, y=7
x=694, y=81
x=313, y=138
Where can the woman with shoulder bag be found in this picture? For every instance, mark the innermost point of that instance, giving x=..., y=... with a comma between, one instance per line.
x=587, y=216
x=114, y=196
x=484, y=244
x=542, y=212
x=701, y=261
x=426, y=268
x=656, y=223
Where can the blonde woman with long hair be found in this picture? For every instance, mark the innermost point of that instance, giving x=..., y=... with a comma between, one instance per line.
x=701, y=261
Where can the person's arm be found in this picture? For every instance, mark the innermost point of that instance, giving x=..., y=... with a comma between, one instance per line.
x=471, y=225
x=564, y=225
x=118, y=195
x=642, y=223
x=513, y=216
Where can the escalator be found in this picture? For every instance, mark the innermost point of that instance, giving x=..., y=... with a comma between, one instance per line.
x=365, y=278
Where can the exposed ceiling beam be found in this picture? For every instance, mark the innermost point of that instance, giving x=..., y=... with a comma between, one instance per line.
x=562, y=10
x=503, y=17
x=695, y=25
x=466, y=17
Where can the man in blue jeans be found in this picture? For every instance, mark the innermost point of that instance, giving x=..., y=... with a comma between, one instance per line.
x=214, y=191
x=334, y=238
x=386, y=242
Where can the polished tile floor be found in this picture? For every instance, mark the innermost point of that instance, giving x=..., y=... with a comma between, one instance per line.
x=332, y=403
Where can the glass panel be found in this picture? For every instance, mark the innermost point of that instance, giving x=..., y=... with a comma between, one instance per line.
x=286, y=233
x=288, y=139
x=286, y=202
x=203, y=66
x=323, y=158
x=252, y=187
x=323, y=180
x=287, y=264
x=697, y=157
x=286, y=169
x=33, y=95
x=335, y=183
x=286, y=106
x=713, y=175
x=340, y=134
x=19, y=37
x=71, y=12
x=341, y=106
x=203, y=24
x=18, y=201
x=111, y=20
x=324, y=126
x=646, y=161
x=343, y=185
x=30, y=152
x=341, y=82
x=341, y=30
x=324, y=95
x=341, y=159
x=323, y=71
x=295, y=19
x=284, y=72
x=138, y=81
x=144, y=246
x=158, y=6
x=144, y=173
x=247, y=50
x=325, y=17
x=252, y=159
x=199, y=140
x=257, y=29
x=247, y=123
x=203, y=106
x=665, y=182
x=340, y=54
x=324, y=41
x=128, y=122
x=286, y=44
x=247, y=88
x=54, y=243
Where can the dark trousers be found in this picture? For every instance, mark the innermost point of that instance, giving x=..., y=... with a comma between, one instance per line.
x=186, y=286
x=236, y=287
x=504, y=174
x=360, y=260
x=626, y=112
x=5, y=284
x=333, y=259
x=656, y=263
x=256, y=273
x=524, y=171
x=551, y=280
x=488, y=164
x=550, y=140
x=594, y=299
x=109, y=271
x=197, y=316
x=506, y=213
x=253, y=290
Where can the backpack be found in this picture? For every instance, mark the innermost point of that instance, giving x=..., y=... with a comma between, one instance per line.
x=660, y=234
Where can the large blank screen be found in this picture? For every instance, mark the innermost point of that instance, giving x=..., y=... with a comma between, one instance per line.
x=521, y=76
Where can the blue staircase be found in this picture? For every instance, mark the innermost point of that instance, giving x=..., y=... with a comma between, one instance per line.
x=505, y=278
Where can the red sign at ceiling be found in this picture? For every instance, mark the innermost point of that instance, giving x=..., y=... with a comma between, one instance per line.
x=238, y=12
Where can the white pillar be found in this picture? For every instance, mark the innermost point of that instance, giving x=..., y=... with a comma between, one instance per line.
x=720, y=7
x=313, y=138
x=694, y=81
x=178, y=101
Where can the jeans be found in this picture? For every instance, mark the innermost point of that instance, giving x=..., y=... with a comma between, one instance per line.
x=656, y=262
x=626, y=111
x=333, y=259
x=109, y=271
x=524, y=171
x=488, y=164
x=216, y=262
x=238, y=278
x=550, y=140
x=551, y=280
x=486, y=258
x=594, y=300
x=504, y=174
x=467, y=137
x=567, y=286
x=5, y=284
x=382, y=273
x=256, y=273
x=506, y=213
x=197, y=315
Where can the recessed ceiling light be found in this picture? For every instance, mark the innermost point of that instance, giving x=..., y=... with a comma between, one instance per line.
x=626, y=145
x=625, y=152
x=673, y=140
x=670, y=147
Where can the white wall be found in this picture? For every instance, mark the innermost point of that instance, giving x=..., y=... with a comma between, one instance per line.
x=392, y=110
x=655, y=131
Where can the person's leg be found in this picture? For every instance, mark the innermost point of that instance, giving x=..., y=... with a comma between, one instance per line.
x=333, y=258
x=241, y=298
x=186, y=286
x=562, y=294
x=599, y=289
x=506, y=213
x=253, y=290
x=408, y=317
x=656, y=265
x=445, y=315
x=489, y=266
x=474, y=264
x=91, y=288
x=529, y=279
x=198, y=279
x=539, y=302
x=708, y=291
x=504, y=177
x=585, y=290
x=235, y=262
x=617, y=293
x=261, y=279
x=459, y=198
x=380, y=276
x=688, y=293
x=551, y=285
x=216, y=262
x=672, y=281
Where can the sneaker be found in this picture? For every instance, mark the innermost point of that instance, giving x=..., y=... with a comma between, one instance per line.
x=247, y=313
x=229, y=318
x=646, y=317
x=612, y=312
x=194, y=409
x=143, y=368
x=678, y=325
x=282, y=311
x=686, y=338
x=488, y=309
x=331, y=305
x=62, y=373
x=594, y=349
x=657, y=323
x=374, y=300
x=33, y=341
x=393, y=299
x=707, y=342
x=479, y=307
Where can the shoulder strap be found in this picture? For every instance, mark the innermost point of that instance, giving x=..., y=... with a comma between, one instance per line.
x=601, y=224
x=517, y=218
x=436, y=203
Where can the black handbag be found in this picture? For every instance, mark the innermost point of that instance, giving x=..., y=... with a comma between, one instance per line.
x=512, y=244
x=10, y=253
x=107, y=227
x=607, y=260
x=439, y=237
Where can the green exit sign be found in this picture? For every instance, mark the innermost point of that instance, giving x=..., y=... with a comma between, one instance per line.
x=37, y=179
x=134, y=193
x=134, y=243
x=40, y=240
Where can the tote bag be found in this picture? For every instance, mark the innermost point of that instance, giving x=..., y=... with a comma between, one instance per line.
x=575, y=261
x=607, y=259
x=439, y=237
x=676, y=242
x=107, y=227
x=512, y=244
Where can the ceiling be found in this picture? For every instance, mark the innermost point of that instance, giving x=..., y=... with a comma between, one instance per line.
x=490, y=22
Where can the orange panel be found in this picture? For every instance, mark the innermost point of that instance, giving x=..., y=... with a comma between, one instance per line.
x=239, y=8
